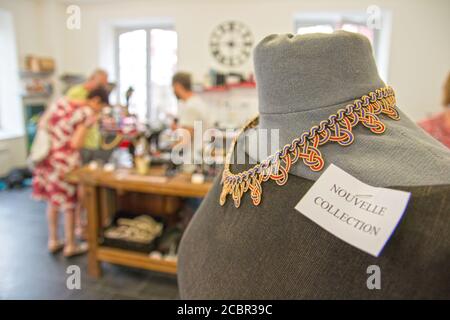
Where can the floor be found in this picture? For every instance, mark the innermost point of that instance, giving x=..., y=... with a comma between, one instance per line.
x=28, y=271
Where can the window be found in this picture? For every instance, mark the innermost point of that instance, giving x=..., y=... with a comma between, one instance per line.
x=146, y=61
x=11, y=116
x=353, y=22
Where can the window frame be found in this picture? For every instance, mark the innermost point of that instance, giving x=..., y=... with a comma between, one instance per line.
x=11, y=113
x=381, y=37
x=150, y=113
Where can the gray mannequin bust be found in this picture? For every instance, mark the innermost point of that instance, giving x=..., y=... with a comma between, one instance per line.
x=271, y=251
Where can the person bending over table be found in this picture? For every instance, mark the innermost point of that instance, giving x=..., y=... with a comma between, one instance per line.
x=91, y=146
x=67, y=123
x=191, y=109
x=439, y=125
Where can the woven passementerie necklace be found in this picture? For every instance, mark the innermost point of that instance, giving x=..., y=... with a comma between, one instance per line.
x=337, y=128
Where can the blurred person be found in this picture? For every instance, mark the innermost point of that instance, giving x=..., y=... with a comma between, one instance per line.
x=98, y=78
x=91, y=146
x=67, y=123
x=439, y=125
x=79, y=93
x=191, y=108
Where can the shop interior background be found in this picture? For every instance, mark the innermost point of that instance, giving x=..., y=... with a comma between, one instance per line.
x=416, y=49
x=145, y=42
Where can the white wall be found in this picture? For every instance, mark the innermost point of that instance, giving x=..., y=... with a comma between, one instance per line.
x=37, y=25
x=12, y=154
x=26, y=22
x=419, y=51
x=12, y=149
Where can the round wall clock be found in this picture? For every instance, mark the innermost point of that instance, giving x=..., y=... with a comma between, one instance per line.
x=231, y=43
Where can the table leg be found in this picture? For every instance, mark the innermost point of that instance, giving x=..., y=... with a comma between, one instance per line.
x=106, y=206
x=91, y=204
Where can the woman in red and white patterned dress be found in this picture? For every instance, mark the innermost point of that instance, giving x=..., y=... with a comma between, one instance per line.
x=439, y=125
x=67, y=123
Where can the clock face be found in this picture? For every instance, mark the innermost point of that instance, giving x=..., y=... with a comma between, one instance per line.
x=231, y=43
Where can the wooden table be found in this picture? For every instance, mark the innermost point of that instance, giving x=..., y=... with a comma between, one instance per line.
x=102, y=190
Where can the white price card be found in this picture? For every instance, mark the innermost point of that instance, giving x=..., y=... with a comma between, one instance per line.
x=357, y=213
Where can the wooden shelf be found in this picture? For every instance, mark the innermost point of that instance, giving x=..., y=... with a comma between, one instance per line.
x=226, y=88
x=32, y=74
x=43, y=95
x=135, y=259
x=127, y=180
x=105, y=192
